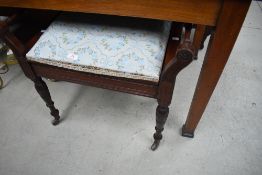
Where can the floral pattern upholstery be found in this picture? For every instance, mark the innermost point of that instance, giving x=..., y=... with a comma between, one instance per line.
x=109, y=45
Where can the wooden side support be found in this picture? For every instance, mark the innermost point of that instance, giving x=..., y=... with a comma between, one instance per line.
x=208, y=31
x=184, y=56
x=19, y=49
x=198, y=38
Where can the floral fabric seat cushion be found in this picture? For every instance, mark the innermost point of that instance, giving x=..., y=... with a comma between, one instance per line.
x=109, y=45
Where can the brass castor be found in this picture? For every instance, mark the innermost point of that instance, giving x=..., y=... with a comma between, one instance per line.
x=155, y=145
x=55, y=122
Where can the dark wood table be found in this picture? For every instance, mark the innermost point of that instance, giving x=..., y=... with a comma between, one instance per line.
x=225, y=17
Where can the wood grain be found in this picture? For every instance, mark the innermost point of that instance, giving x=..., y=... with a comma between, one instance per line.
x=191, y=11
x=222, y=42
x=102, y=81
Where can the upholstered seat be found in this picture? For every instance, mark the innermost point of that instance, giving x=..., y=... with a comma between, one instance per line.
x=109, y=45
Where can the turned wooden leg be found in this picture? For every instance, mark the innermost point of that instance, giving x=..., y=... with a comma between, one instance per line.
x=20, y=51
x=183, y=57
x=221, y=44
x=43, y=91
x=161, y=116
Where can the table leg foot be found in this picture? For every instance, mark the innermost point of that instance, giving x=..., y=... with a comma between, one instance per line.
x=186, y=133
x=155, y=145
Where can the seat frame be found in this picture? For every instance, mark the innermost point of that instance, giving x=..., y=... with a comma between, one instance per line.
x=180, y=52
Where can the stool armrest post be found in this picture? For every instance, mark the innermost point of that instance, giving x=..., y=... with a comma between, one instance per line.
x=184, y=56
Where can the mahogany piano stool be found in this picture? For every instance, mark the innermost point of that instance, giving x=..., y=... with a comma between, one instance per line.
x=222, y=19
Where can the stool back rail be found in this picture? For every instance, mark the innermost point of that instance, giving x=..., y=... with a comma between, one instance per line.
x=179, y=53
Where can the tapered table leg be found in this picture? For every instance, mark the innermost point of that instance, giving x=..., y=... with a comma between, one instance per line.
x=232, y=15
